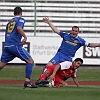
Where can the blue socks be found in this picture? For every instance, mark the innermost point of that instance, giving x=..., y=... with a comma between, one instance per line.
x=28, y=72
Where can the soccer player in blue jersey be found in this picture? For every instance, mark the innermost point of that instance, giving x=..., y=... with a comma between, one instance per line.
x=70, y=44
x=13, y=45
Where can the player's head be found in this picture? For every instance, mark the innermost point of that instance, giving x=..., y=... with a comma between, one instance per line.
x=77, y=63
x=17, y=11
x=74, y=31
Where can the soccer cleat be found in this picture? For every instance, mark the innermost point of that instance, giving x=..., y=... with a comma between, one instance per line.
x=42, y=85
x=41, y=82
x=29, y=85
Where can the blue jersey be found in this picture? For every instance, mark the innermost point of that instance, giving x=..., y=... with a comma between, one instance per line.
x=68, y=48
x=12, y=46
x=70, y=45
x=12, y=36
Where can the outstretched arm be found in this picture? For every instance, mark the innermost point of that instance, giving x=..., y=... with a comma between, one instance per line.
x=76, y=81
x=46, y=20
x=94, y=44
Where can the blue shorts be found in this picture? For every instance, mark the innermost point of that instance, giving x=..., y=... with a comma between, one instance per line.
x=60, y=57
x=9, y=53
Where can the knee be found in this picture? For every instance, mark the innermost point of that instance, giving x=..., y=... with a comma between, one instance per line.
x=2, y=64
x=30, y=60
x=49, y=64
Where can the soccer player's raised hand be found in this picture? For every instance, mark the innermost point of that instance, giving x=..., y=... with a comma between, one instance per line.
x=46, y=20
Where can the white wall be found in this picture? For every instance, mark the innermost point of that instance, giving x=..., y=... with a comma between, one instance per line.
x=42, y=49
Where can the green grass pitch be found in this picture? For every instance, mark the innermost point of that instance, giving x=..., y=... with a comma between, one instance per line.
x=16, y=91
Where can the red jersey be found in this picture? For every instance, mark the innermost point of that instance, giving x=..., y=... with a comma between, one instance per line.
x=61, y=73
x=64, y=73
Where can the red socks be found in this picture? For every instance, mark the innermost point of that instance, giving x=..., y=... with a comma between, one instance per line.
x=43, y=77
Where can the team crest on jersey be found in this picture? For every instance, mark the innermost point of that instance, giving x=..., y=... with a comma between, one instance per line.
x=75, y=41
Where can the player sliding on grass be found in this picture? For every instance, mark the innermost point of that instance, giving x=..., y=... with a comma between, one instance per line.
x=13, y=45
x=60, y=72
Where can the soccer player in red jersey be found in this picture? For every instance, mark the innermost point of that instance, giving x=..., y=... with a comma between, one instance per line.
x=60, y=72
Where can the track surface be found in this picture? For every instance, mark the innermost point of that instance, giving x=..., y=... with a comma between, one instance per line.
x=69, y=82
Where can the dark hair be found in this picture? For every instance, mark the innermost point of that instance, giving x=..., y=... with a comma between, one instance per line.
x=75, y=27
x=17, y=10
x=79, y=59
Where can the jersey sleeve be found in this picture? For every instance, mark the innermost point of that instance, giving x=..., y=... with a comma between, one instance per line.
x=62, y=34
x=65, y=65
x=83, y=42
x=87, y=44
x=21, y=22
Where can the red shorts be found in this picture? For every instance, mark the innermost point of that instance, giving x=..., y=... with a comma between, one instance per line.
x=58, y=76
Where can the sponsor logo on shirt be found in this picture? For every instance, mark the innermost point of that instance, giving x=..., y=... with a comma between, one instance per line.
x=72, y=43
